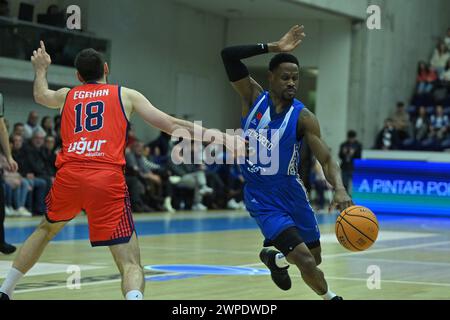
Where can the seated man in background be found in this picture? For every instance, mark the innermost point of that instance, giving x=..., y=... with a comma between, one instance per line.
x=151, y=182
x=387, y=138
x=32, y=124
x=401, y=121
x=36, y=171
x=439, y=124
x=192, y=177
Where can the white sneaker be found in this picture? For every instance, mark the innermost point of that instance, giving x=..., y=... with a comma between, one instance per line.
x=168, y=205
x=232, y=204
x=23, y=212
x=199, y=207
x=174, y=179
x=9, y=212
x=242, y=205
x=205, y=190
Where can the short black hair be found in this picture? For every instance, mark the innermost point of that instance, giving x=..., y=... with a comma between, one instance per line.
x=89, y=63
x=400, y=104
x=351, y=134
x=18, y=124
x=282, y=58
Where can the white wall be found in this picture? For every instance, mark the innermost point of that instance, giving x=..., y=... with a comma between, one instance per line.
x=327, y=47
x=153, y=43
x=353, y=8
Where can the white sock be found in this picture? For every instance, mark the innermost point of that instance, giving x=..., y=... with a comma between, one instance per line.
x=281, y=261
x=134, y=295
x=11, y=281
x=329, y=295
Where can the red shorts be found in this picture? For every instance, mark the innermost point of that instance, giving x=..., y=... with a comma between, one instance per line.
x=102, y=193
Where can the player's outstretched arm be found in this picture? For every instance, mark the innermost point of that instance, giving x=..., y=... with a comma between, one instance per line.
x=42, y=94
x=309, y=129
x=237, y=72
x=180, y=128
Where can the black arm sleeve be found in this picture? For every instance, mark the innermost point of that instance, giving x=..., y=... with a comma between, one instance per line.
x=232, y=56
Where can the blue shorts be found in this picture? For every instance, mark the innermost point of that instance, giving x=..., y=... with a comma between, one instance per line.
x=280, y=206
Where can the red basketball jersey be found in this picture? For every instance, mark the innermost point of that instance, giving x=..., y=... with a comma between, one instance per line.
x=93, y=126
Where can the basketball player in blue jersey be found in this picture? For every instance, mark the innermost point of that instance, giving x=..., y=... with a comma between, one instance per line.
x=277, y=200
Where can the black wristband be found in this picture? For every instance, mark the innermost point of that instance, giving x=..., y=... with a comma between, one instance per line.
x=232, y=56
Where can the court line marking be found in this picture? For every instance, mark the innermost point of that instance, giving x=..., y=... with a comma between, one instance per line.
x=260, y=263
x=427, y=263
x=87, y=284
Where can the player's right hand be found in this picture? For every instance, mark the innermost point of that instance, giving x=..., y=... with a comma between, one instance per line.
x=291, y=39
x=40, y=58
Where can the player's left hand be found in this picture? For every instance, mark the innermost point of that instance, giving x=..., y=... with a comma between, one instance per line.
x=12, y=165
x=40, y=58
x=341, y=200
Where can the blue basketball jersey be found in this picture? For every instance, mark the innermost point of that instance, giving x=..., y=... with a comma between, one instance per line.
x=274, y=194
x=273, y=138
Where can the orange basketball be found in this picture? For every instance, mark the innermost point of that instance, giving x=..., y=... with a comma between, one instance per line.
x=357, y=228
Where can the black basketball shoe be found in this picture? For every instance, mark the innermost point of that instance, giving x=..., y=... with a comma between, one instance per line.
x=280, y=276
x=6, y=248
x=337, y=298
x=4, y=296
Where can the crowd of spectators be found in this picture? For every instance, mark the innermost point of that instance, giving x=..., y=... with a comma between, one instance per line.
x=424, y=124
x=155, y=179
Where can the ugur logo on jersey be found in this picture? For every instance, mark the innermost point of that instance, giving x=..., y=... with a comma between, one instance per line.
x=93, y=148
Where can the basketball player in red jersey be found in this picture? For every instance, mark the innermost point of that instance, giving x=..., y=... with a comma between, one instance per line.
x=90, y=165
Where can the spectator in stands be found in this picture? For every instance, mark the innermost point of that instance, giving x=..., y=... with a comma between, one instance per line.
x=440, y=57
x=445, y=77
x=18, y=129
x=131, y=136
x=4, y=8
x=191, y=178
x=152, y=182
x=439, y=124
x=426, y=77
x=235, y=184
x=401, y=121
x=421, y=125
x=160, y=170
x=447, y=39
x=32, y=124
x=387, y=138
x=37, y=171
x=348, y=152
x=16, y=191
x=47, y=125
x=50, y=155
x=57, y=128
x=163, y=143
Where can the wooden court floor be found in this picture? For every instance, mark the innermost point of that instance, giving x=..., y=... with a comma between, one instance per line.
x=411, y=257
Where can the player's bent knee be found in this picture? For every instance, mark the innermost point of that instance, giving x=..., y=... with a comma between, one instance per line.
x=318, y=259
x=304, y=260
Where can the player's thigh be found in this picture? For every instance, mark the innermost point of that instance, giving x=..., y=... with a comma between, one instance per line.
x=126, y=254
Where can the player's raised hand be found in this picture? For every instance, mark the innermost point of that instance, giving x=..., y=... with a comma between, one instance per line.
x=40, y=58
x=291, y=39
